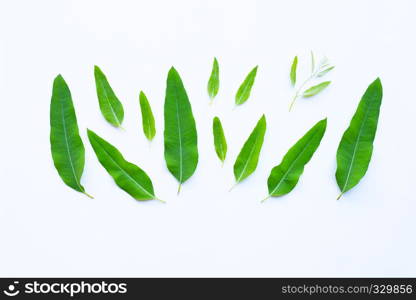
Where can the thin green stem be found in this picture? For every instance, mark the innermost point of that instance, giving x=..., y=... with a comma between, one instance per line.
x=262, y=201
x=340, y=195
x=158, y=199
x=85, y=193
x=234, y=185
x=179, y=188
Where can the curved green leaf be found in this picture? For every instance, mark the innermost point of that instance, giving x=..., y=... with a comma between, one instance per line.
x=244, y=91
x=214, y=80
x=126, y=175
x=246, y=162
x=323, y=72
x=312, y=91
x=284, y=177
x=148, y=120
x=110, y=106
x=68, y=152
x=219, y=139
x=356, y=146
x=181, y=141
x=293, y=70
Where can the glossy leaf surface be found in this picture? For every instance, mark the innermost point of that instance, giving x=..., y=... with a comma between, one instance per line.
x=244, y=91
x=356, y=146
x=148, y=120
x=312, y=91
x=214, y=80
x=220, y=142
x=126, y=175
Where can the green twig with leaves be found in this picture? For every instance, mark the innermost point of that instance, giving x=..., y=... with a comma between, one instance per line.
x=317, y=71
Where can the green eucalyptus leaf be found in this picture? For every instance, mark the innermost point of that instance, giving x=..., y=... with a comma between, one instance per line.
x=181, y=142
x=323, y=72
x=110, y=106
x=312, y=91
x=284, y=177
x=214, y=80
x=68, y=152
x=219, y=139
x=247, y=159
x=148, y=120
x=356, y=146
x=244, y=90
x=126, y=175
x=293, y=71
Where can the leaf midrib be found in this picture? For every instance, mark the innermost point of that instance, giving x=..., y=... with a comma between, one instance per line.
x=292, y=165
x=109, y=103
x=67, y=148
x=248, y=159
x=355, y=149
x=124, y=171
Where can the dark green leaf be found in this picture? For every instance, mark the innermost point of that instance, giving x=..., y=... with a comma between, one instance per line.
x=244, y=91
x=110, y=106
x=356, y=146
x=67, y=149
x=219, y=139
x=181, y=149
x=126, y=175
x=284, y=177
x=148, y=121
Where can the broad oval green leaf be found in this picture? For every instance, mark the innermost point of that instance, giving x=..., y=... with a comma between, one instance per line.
x=312, y=91
x=284, y=177
x=214, y=80
x=220, y=142
x=293, y=71
x=126, y=175
x=356, y=146
x=247, y=159
x=68, y=152
x=180, y=135
x=148, y=120
x=110, y=106
x=244, y=91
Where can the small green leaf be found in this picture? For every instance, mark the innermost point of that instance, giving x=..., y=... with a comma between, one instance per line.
x=247, y=159
x=214, y=80
x=356, y=146
x=322, y=73
x=68, y=152
x=293, y=71
x=244, y=91
x=110, y=106
x=148, y=119
x=126, y=175
x=284, y=177
x=181, y=141
x=219, y=139
x=312, y=91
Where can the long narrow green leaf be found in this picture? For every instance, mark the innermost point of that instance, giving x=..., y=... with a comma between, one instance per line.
x=181, y=141
x=356, y=146
x=68, y=152
x=126, y=175
x=284, y=177
x=214, y=80
x=293, y=71
x=312, y=91
x=323, y=72
x=219, y=139
x=244, y=91
x=148, y=120
x=246, y=162
x=110, y=106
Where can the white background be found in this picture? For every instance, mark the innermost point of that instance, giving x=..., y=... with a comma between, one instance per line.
x=47, y=229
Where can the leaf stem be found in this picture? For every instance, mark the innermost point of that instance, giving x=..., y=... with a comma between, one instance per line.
x=163, y=201
x=262, y=201
x=234, y=185
x=88, y=195
x=340, y=195
x=179, y=188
